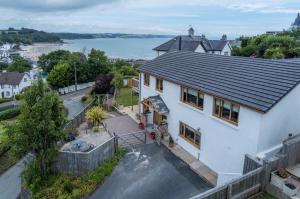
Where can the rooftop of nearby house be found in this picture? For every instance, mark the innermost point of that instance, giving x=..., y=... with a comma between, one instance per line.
x=191, y=42
x=11, y=78
x=256, y=83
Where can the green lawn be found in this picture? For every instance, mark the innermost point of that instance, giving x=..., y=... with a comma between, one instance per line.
x=124, y=97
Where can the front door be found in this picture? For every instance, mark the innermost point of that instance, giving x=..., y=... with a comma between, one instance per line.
x=156, y=118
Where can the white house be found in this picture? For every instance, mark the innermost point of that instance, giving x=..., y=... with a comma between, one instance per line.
x=219, y=108
x=194, y=43
x=12, y=83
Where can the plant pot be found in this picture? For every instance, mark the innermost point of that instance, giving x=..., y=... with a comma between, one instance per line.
x=289, y=189
x=276, y=180
x=166, y=138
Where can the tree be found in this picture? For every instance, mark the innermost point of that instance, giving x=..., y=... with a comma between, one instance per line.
x=19, y=64
x=98, y=64
x=128, y=71
x=274, y=53
x=103, y=84
x=60, y=76
x=118, y=81
x=95, y=115
x=47, y=62
x=39, y=127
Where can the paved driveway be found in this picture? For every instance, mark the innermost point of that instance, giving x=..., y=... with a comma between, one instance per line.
x=151, y=172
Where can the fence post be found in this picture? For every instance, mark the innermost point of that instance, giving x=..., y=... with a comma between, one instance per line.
x=145, y=137
x=229, y=191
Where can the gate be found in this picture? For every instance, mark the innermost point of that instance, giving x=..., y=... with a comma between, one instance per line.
x=131, y=140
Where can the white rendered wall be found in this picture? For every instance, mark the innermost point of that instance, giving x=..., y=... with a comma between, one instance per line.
x=227, y=48
x=200, y=49
x=280, y=121
x=223, y=146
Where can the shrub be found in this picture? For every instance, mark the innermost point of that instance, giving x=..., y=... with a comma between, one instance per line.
x=3, y=100
x=84, y=98
x=95, y=115
x=68, y=186
x=9, y=113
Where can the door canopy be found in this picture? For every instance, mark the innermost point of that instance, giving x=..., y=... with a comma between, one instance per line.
x=157, y=103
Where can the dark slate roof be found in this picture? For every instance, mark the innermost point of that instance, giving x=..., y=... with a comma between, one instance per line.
x=297, y=21
x=252, y=82
x=292, y=60
x=159, y=104
x=11, y=78
x=190, y=43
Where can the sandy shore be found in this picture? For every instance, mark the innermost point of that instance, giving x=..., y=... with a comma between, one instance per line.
x=37, y=49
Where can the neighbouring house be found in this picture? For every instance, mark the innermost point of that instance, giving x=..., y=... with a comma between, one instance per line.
x=12, y=83
x=219, y=108
x=194, y=43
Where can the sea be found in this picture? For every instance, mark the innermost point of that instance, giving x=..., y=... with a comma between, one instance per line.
x=125, y=48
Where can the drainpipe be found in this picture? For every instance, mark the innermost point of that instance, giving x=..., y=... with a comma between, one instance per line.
x=140, y=93
x=180, y=43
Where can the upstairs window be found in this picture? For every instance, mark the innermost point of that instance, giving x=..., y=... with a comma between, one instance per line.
x=226, y=110
x=146, y=79
x=192, y=97
x=189, y=134
x=159, y=85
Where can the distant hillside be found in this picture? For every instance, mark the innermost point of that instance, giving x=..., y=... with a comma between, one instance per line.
x=26, y=36
x=107, y=35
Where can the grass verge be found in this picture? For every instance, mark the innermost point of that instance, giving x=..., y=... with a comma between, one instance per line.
x=70, y=187
x=124, y=97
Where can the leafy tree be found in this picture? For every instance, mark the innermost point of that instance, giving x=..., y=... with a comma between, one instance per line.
x=47, y=62
x=95, y=115
x=118, y=81
x=274, y=53
x=3, y=66
x=97, y=63
x=120, y=63
x=128, y=71
x=40, y=126
x=19, y=64
x=103, y=84
x=60, y=76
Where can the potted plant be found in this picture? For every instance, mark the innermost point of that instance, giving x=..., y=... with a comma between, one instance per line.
x=279, y=177
x=166, y=137
x=289, y=189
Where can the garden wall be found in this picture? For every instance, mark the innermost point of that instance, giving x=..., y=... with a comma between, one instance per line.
x=78, y=163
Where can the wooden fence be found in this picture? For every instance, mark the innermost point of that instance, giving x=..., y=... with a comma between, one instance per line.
x=79, y=118
x=247, y=185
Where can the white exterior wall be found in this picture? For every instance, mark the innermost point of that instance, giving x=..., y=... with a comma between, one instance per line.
x=280, y=121
x=200, y=49
x=223, y=146
x=227, y=48
x=9, y=90
x=159, y=53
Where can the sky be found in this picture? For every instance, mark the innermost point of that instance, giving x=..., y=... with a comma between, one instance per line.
x=210, y=17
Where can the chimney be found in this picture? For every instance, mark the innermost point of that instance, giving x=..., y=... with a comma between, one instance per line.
x=191, y=32
x=179, y=48
x=224, y=37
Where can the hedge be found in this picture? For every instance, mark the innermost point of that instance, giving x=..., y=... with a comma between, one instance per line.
x=10, y=113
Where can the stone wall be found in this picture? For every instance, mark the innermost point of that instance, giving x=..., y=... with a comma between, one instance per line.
x=78, y=163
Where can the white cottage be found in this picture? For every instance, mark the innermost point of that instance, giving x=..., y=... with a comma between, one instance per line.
x=12, y=83
x=219, y=108
x=194, y=43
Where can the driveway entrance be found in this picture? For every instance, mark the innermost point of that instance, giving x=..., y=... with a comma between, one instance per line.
x=148, y=172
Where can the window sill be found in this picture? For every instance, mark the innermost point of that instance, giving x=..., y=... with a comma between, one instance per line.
x=225, y=123
x=191, y=107
x=190, y=142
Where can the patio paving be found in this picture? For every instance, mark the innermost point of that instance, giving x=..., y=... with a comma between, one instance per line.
x=148, y=172
x=121, y=125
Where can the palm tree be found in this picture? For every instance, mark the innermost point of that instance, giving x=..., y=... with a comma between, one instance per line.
x=95, y=115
